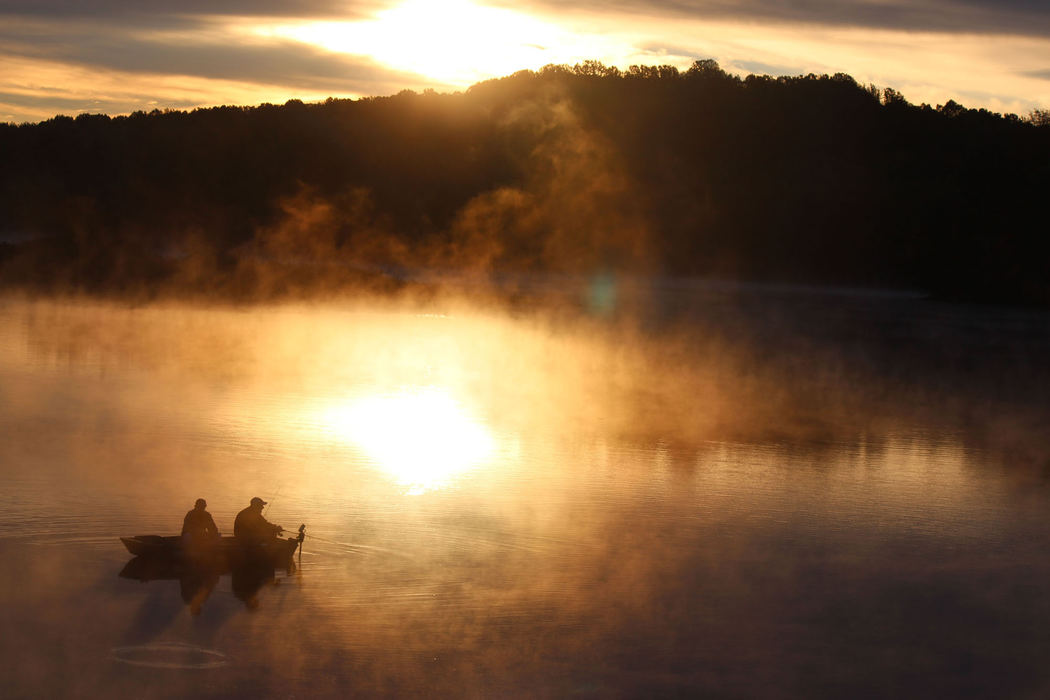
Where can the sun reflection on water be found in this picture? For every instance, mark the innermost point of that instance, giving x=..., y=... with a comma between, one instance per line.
x=421, y=437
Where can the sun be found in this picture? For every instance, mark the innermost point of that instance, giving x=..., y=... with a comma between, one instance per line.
x=423, y=438
x=452, y=41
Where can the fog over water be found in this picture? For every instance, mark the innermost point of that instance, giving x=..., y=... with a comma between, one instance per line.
x=658, y=488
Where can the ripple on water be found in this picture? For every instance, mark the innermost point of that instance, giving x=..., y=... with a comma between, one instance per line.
x=169, y=655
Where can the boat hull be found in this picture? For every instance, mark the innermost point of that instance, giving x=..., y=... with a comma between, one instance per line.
x=222, y=552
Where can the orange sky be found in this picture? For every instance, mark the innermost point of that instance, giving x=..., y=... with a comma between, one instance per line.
x=117, y=56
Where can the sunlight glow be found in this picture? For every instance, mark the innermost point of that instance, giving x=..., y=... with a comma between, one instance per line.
x=423, y=438
x=453, y=41
x=450, y=44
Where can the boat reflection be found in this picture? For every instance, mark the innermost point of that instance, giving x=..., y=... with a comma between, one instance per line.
x=198, y=577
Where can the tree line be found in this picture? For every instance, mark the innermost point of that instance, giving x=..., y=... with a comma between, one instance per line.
x=813, y=179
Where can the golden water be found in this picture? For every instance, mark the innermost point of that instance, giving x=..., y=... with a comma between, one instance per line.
x=511, y=504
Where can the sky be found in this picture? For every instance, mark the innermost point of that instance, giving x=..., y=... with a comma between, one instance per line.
x=119, y=56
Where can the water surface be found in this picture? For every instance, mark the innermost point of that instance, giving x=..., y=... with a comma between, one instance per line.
x=733, y=493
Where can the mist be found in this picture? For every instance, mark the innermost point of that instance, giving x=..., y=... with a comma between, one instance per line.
x=640, y=467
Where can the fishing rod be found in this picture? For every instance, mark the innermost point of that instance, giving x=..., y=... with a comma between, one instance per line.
x=302, y=536
x=322, y=539
x=343, y=546
x=273, y=497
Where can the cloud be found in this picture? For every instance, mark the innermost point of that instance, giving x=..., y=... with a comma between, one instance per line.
x=116, y=56
x=91, y=65
x=759, y=68
x=206, y=55
x=36, y=89
x=1028, y=17
x=149, y=11
x=1025, y=17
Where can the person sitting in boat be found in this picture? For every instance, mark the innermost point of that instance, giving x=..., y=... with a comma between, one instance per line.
x=198, y=525
x=251, y=528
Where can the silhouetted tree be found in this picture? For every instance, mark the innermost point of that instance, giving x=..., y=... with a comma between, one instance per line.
x=1039, y=117
x=807, y=178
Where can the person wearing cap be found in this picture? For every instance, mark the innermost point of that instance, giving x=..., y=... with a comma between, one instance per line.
x=198, y=525
x=251, y=528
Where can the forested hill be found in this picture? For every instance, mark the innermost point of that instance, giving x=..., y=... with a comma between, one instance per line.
x=810, y=179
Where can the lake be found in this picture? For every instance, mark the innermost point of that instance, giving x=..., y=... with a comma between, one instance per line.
x=594, y=489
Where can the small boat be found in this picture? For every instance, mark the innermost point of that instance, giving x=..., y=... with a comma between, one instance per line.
x=198, y=566
x=223, y=551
